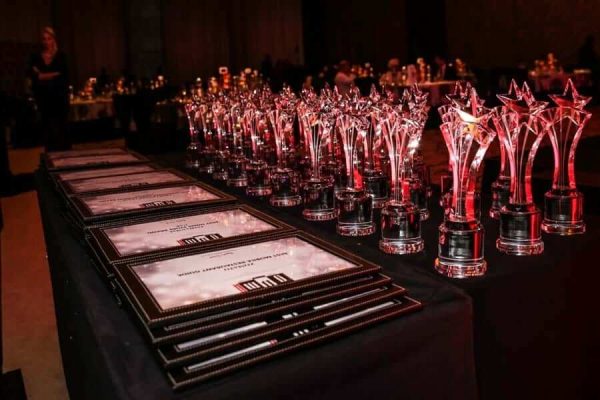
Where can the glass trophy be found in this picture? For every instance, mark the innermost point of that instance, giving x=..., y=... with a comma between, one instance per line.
x=500, y=188
x=221, y=159
x=461, y=235
x=520, y=131
x=564, y=123
x=192, y=159
x=317, y=192
x=236, y=164
x=257, y=172
x=400, y=218
x=354, y=204
x=207, y=155
x=284, y=180
x=374, y=180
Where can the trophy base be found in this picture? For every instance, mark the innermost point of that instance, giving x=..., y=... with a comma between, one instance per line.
x=460, y=270
x=406, y=246
x=376, y=185
x=517, y=248
x=237, y=182
x=287, y=201
x=319, y=215
x=355, y=230
x=460, y=249
x=219, y=175
x=520, y=233
x=206, y=170
x=259, y=191
x=563, y=212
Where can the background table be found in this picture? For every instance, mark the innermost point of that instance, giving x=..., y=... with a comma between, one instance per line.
x=428, y=354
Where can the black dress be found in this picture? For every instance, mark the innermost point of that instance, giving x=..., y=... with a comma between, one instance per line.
x=52, y=98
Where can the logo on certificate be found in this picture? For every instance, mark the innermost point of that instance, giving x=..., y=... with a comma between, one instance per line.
x=157, y=204
x=263, y=282
x=199, y=239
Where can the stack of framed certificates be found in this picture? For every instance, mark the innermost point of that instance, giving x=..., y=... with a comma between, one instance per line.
x=217, y=286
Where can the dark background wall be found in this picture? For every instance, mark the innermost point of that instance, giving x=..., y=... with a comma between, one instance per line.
x=186, y=38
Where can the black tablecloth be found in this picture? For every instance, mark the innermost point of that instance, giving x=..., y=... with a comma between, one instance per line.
x=428, y=354
x=536, y=325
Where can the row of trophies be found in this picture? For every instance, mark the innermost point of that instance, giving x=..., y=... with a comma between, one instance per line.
x=341, y=156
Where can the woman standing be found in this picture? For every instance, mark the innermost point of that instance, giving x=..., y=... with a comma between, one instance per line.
x=48, y=71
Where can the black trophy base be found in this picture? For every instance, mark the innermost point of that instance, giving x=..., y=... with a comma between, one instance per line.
x=258, y=191
x=285, y=201
x=563, y=213
x=317, y=195
x=520, y=230
x=418, y=196
x=355, y=213
x=460, y=249
x=401, y=229
x=237, y=182
x=500, y=194
x=192, y=156
x=376, y=184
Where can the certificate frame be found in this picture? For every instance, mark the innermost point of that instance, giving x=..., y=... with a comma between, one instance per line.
x=180, y=379
x=107, y=253
x=69, y=189
x=175, y=333
x=154, y=316
x=87, y=217
x=51, y=164
x=102, y=172
x=53, y=155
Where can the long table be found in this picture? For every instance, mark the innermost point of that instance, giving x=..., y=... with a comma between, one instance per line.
x=428, y=354
x=536, y=326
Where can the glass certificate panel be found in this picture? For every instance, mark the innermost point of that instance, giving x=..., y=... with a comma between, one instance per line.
x=124, y=181
x=151, y=236
x=84, y=152
x=120, y=202
x=94, y=160
x=201, y=277
x=100, y=172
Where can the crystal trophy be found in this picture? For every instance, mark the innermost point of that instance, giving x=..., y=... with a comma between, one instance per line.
x=354, y=204
x=317, y=192
x=500, y=188
x=193, y=150
x=221, y=159
x=461, y=235
x=284, y=180
x=236, y=165
x=520, y=131
x=400, y=218
x=563, y=213
x=257, y=172
x=207, y=155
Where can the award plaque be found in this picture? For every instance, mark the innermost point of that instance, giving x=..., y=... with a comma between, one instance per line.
x=168, y=290
x=124, y=182
x=325, y=327
x=100, y=172
x=104, y=207
x=230, y=320
x=142, y=238
x=96, y=160
x=53, y=155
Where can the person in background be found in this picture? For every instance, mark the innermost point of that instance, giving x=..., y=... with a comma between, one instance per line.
x=393, y=75
x=49, y=75
x=344, y=79
x=440, y=68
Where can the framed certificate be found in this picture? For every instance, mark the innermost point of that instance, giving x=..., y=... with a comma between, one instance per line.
x=145, y=237
x=299, y=335
x=241, y=335
x=94, y=160
x=168, y=290
x=98, y=208
x=124, y=182
x=53, y=155
x=100, y=172
x=232, y=319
